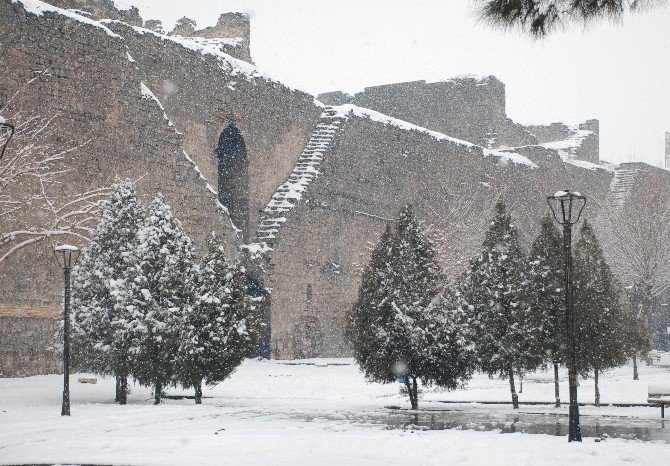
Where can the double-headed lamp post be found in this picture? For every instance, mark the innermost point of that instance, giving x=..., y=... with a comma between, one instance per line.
x=4, y=126
x=66, y=256
x=567, y=206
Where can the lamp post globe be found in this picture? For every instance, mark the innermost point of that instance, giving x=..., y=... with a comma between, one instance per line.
x=66, y=256
x=566, y=207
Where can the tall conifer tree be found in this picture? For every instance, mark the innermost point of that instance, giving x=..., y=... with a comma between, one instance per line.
x=156, y=295
x=546, y=296
x=222, y=325
x=399, y=326
x=99, y=330
x=599, y=313
x=493, y=289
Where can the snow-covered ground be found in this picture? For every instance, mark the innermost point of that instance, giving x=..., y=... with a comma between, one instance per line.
x=271, y=412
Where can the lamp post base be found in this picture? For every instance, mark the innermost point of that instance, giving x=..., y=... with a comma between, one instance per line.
x=65, y=410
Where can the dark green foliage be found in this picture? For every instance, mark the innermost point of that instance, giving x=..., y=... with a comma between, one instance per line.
x=494, y=288
x=156, y=294
x=607, y=331
x=221, y=326
x=99, y=324
x=599, y=310
x=539, y=17
x=401, y=325
x=546, y=292
x=545, y=295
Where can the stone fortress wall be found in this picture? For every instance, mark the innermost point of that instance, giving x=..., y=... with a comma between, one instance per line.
x=472, y=109
x=248, y=135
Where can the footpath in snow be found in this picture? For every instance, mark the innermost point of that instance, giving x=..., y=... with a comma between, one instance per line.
x=271, y=412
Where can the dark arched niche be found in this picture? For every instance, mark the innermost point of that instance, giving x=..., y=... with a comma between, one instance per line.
x=234, y=176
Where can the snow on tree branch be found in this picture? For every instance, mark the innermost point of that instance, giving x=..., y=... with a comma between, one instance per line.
x=31, y=173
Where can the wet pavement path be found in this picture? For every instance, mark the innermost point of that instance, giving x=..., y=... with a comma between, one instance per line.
x=527, y=421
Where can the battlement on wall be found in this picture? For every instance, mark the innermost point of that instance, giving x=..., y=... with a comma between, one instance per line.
x=100, y=9
x=231, y=34
x=468, y=108
x=472, y=109
x=580, y=142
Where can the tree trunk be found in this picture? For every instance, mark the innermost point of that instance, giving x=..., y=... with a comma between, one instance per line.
x=636, y=376
x=117, y=396
x=595, y=378
x=198, y=392
x=515, y=397
x=123, y=394
x=556, y=389
x=158, y=389
x=416, y=393
x=520, y=383
x=411, y=390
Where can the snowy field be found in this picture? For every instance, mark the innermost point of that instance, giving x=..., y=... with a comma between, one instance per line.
x=270, y=412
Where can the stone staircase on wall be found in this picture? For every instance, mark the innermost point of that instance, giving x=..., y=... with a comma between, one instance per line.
x=622, y=183
x=289, y=194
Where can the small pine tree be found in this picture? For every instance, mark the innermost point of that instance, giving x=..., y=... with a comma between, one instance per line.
x=599, y=312
x=222, y=325
x=546, y=296
x=398, y=326
x=493, y=290
x=99, y=328
x=157, y=294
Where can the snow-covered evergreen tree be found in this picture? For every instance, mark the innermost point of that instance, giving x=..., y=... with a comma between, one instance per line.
x=156, y=295
x=546, y=296
x=601, y=330
x=400, y=326
x=222, y=325
x=493, y=289
x=99, y=338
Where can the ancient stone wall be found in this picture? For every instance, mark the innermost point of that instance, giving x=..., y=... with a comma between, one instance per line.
x=202, y=94
x=89, y=84
x=466, y=108
x=28, y=341
x=100, y=9
x=581, y=142
x=373, y=169
x=231, y=34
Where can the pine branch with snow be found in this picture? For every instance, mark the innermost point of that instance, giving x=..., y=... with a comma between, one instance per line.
x=156, y=296
x=222, y=324
x=493, y=289
x=401, y=326
x=100, y=324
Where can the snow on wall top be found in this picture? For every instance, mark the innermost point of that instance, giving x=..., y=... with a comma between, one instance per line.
x=38, y=8
x=210, y=47
x=347, y=110
x=149, y=95
x=567, y=146
x=218, y=42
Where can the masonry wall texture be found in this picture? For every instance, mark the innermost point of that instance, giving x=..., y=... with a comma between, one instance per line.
x=92, y=76
x=472, y=109
x=87, y=82
x=27, y=341
x=366, y=176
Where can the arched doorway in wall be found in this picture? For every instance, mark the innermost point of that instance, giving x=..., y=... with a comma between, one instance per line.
x=233, y=170
x=233, y=184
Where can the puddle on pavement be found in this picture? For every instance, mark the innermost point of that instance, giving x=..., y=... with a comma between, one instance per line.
x=528, y=423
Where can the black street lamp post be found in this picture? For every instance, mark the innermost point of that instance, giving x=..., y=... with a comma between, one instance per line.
x=567, y=206
x=4, y=126
x=66, y=256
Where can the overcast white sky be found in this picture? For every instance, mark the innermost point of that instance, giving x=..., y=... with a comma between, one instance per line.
x=618, y=73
